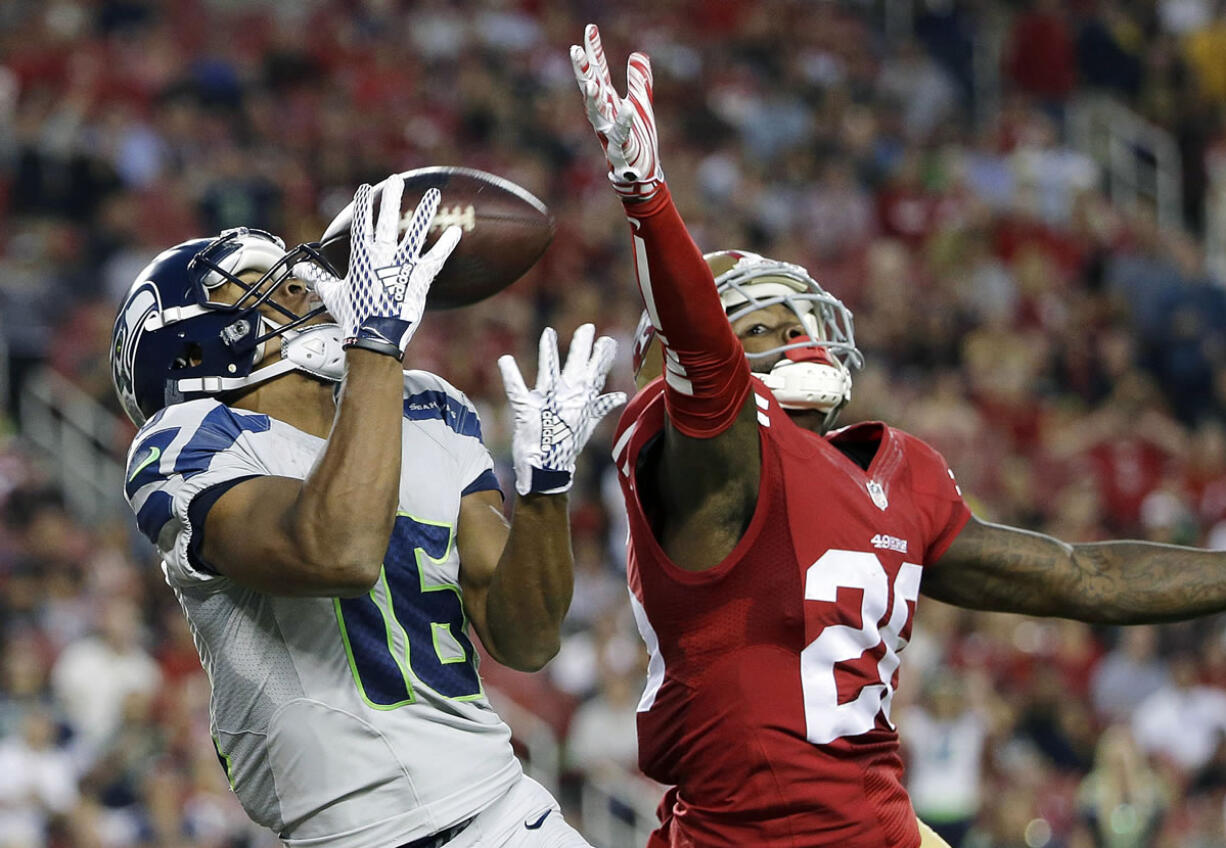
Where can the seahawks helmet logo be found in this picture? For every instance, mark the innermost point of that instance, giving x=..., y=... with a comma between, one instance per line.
x=129, y=327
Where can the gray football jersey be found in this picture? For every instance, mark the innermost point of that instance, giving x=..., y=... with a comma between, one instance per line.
x=348, y=722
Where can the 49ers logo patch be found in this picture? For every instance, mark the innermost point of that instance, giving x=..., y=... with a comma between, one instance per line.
x=889, y=543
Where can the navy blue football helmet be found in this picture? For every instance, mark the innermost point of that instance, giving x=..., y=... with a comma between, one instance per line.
x=172, y=342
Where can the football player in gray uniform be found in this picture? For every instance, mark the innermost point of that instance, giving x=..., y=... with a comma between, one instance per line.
x=332, y=526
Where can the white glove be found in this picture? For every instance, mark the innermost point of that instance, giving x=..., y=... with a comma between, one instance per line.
x=626, y=126
x=380, y=302
x=554, y=420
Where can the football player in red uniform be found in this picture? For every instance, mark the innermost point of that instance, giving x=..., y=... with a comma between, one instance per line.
x=775, y=563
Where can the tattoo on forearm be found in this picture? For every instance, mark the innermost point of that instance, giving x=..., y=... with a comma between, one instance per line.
x=1004, y=569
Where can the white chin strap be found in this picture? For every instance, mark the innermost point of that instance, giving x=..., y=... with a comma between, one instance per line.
x=315, y=350
x=809, y=385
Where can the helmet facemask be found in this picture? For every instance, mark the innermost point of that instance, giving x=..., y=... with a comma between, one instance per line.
x=813, y=372
x=311, y=348
x=240, y=251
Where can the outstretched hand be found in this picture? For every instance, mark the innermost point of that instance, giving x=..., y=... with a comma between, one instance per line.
x=380, y=302
x=554, y=420
x=625, y=126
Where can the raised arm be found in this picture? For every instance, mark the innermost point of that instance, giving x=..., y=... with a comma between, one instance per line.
x=705, y=371
x=518, y=577
x=326, y=535
x=711, y=445
x=1004, y=569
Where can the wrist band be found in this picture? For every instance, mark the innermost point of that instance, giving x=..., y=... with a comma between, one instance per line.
x=375, y=346
x=547, y=481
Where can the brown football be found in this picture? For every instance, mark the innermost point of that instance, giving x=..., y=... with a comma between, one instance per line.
x=506, y=229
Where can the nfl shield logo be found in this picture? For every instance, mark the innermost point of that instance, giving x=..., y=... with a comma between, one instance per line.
x=877, y=494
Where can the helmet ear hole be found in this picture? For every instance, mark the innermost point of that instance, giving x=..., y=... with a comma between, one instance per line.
x=191, y=357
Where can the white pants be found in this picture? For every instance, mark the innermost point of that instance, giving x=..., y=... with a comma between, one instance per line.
x=526, y=817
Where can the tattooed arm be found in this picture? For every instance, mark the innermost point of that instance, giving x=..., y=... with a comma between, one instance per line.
x=1003, y=569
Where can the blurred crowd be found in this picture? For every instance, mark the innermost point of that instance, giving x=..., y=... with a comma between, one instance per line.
x=1068, y=357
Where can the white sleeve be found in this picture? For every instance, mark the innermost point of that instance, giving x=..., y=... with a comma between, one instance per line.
x=476, y=464
x=428, y=396
x=188, y=449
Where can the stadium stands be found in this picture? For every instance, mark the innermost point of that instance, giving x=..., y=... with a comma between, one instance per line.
x=1064, y=346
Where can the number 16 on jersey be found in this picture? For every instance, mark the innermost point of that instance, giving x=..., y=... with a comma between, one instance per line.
x=409, y=630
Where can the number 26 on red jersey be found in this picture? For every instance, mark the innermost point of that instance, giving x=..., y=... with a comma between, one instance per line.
x=825, y=718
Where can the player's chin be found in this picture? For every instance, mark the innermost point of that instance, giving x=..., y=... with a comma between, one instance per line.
x=764, y=364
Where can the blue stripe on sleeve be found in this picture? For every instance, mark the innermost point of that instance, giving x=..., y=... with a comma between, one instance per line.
x=146, y=461
x=451, y=411
x=218, y=431
x=153, y=515
x=484, y=482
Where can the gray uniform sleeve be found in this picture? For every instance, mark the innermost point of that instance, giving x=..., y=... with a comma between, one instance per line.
x=428, y=396
x=182, y=459
x=477, y=466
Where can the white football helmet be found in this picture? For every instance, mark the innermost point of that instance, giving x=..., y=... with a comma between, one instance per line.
x=815, y=372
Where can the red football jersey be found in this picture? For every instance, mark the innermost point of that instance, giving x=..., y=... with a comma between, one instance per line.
x=771, y=674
